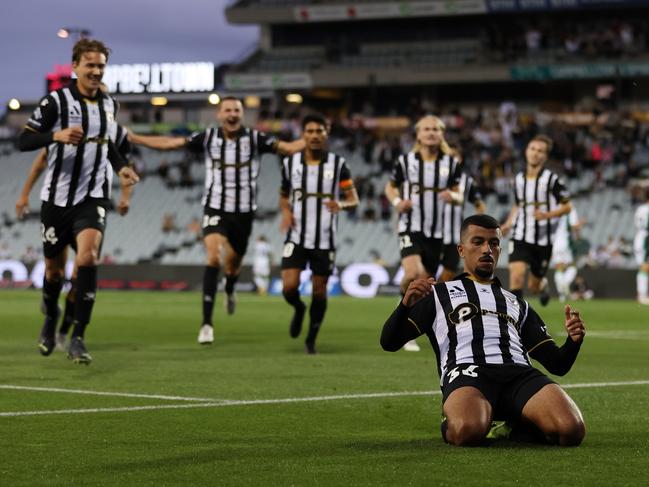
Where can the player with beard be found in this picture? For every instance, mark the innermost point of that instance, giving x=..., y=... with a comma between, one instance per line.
x=232, y=155
x=483, y=337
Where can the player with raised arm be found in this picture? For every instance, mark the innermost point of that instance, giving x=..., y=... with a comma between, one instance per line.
x=483, y=337
x=232, y=155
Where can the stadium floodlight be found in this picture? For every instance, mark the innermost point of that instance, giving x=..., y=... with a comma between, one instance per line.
x=294, y=98
x=159, y=101
x=213, y=99
x=252, y=101
x=14, y=104
x=65, y=32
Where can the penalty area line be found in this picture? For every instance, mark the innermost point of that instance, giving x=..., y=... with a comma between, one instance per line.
x=288, y=400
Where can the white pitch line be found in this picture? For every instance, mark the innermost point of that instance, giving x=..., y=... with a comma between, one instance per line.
x=100, y=393
x=586, y=385
x=250, y=402
x=109, y=410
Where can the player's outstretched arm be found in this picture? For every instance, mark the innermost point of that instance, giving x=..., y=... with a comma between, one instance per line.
x=288, y=148
x=157, y=142
x=399, y=328
x=558, y=360
x=35, y=171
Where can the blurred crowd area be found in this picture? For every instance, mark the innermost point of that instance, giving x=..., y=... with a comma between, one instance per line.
x=598, y=151
x=595, y=39
x=612, y=145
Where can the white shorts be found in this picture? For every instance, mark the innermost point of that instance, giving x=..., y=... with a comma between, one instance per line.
x=561, y=255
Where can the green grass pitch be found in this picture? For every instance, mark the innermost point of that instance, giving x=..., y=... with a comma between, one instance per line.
x=253, y=409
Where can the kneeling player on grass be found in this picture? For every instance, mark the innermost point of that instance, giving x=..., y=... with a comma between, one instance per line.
x=483, y=336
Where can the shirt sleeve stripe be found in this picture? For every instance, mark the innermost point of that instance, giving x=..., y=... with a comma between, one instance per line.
x=414, y=324
x=539, y=344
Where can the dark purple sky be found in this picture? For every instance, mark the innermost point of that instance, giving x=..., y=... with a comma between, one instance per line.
x=138, y=31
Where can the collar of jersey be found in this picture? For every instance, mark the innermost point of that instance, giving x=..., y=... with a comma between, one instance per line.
x=466, y=275
x=323, y=159
x=237, y=134
x=79, y=96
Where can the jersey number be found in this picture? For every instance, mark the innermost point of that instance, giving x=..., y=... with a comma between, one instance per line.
x=468, y=371
x=288, y=249
x=405, y=242
x=210, y=221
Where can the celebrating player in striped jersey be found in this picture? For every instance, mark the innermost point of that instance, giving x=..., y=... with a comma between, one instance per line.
x=641, y=248
x=232, y=153
x=423, y=181
x=22, y=209
x=483, y=337
x=316, y=185
x=540, y=199
x=77, y=125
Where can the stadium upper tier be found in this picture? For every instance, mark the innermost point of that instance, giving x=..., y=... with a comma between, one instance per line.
x=138, y=237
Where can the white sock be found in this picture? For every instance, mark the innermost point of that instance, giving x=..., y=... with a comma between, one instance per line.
x=569, y=275
x=642, y=282
x=559, y=282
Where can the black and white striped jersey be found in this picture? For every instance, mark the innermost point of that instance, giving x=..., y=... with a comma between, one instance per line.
x=454, y=213
x=231, y=167
x=468, y=322
x=545, y=192
x=75, y=173
x=421, y=182
x=308, y=188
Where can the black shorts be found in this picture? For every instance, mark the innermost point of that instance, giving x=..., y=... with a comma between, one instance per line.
x=321, y=262
x=61, y=225
x=537, y=256
x=429, y=249
x=451, y=258
x=236, y=227
x=506, y=387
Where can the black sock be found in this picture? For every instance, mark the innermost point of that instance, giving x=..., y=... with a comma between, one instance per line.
x=51, y=292
x=68, y=314
x=518, y=293
x=210, y=284
x=68, y=317
x=293, y=298
x=85, y=298
x=230, y=281
x=443, y=428
x=316, y=315
x=528, y=433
